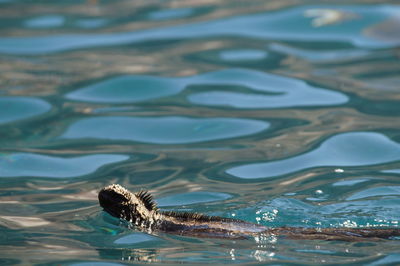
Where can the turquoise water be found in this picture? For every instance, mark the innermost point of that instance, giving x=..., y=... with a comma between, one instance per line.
x=274, y=112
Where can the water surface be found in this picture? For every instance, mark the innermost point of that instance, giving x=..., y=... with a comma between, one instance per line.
x=273, y=112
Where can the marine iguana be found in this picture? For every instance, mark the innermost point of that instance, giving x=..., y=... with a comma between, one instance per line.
x=141, y=211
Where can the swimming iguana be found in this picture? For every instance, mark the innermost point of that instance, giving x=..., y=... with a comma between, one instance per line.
x=140, y=210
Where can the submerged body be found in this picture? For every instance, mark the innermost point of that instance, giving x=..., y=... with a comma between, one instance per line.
x=140, y=210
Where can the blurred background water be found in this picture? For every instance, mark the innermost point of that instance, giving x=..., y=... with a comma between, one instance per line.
x=275, y=112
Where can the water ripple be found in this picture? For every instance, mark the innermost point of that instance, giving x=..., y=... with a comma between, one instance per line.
x=283, y=91
x=390, y=259
x=47, y=21
x=19, y=108
x=243, y=55
x=346, y=149
x=320, y=56
x=350, y=182
x=37, y=165
x=376, y=191
x=95, y=263
x=296, y=24
x=113, y=93
x=126, y=89
x=273, y=91
x=192, y=198
x=134, y=239
x=163, y=130
x=171, y=13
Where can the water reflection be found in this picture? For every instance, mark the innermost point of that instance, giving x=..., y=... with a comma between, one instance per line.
x=47, y=21
x=192, y=198
x=37, y=165
x=137, y=67
x=91, y=23
x=320, y=56
x=18, y=221
x=347, y=149
x=376, y=191
x=280, y=91
x=167, y=14
x=288, y=24
x=243, y=55
x=134, y=239
x=350, y=182
x=128, y=89
x=19, y=108
x=95, y=263
x=163, y=130
x=273, y=91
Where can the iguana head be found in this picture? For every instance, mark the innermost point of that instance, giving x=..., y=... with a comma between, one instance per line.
x=138, y=208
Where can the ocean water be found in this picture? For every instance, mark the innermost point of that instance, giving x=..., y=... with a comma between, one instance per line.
x=274, y=112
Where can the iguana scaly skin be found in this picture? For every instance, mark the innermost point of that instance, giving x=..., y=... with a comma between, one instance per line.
x=140, y=210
